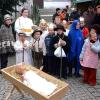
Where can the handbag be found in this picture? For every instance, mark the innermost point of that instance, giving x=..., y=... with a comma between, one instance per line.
x=59, y=52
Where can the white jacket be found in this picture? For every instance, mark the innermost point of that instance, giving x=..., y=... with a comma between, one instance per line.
x=27, y=54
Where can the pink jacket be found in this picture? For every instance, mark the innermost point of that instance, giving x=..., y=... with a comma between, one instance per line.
x=88, y=57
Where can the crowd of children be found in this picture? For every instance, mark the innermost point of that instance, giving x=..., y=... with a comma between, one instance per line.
x=36, y=45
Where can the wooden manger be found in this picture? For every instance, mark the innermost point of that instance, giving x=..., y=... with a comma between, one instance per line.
x=10, y=74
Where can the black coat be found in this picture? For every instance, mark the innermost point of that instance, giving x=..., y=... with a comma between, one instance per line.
x=96, y=19
x=65, y=38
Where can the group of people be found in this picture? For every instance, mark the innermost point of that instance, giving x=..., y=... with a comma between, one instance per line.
x=36, y=45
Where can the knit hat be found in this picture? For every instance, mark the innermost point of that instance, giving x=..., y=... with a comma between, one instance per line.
x=7, y=17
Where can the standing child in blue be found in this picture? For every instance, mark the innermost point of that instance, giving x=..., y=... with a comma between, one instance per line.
x=76, y=41
x=50, y=67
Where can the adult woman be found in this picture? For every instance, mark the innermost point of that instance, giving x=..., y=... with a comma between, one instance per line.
x=6, y=40
x=76, y=41
x=24, y=24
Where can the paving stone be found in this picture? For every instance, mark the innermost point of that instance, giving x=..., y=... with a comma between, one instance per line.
x=92, y=90
x=97, y=98
x=96, y=94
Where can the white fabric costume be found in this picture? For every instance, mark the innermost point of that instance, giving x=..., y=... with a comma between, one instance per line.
x=24, y=24
x=20, y=55
x=38, y=83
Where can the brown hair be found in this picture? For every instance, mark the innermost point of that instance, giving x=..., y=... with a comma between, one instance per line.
x=23, y=10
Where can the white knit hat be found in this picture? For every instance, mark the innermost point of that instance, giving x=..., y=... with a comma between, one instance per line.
x=51, y=26
x=7, y=17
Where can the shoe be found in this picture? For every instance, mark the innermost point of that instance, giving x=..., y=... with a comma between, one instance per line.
x=69, y=74
x=92, y=84
x=65, y=77
x=84, y=82
x=77, y=75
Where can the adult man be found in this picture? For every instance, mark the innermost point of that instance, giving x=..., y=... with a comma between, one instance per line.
x=97, y=16
x=88, y=16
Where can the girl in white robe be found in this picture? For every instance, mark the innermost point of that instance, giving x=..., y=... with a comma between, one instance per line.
x=24, y=24
x=23, y=50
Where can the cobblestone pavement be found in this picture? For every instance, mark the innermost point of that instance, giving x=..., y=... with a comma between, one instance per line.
x=77, y=90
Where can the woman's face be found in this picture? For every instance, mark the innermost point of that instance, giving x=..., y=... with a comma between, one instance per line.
x=98, y=10
x=8, y=22
x=25, y=13
x=78, y=25
x=57, y=20
x=60, y=31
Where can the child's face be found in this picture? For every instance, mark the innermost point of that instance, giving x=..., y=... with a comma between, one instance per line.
x=60, y=31
x=93, y=37
x=51, y=31
x=37, y=35
x=43, y=26
x=78, y=25
x=22, y=38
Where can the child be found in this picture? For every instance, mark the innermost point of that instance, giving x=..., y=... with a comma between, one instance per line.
x=60, y=40
x=37, y=48
x=49, y=67
x=23, y=50
x=84, y=29
x=89, y=58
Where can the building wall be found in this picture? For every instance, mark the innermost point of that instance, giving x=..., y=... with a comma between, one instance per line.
x=39, y=3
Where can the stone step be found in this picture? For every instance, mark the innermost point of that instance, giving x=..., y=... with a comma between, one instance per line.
x=47, y=18
x=47, y=14
x=47, y=11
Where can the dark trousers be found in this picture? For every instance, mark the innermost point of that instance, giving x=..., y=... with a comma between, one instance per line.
x=45, y=69
x=37, y=59
x=4, y=60
x=61, y=66
x=75, y=63
x=50, y=64
x=89, y=75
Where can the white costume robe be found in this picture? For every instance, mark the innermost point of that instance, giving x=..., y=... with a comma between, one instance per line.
x=44, y=34
x=19, y=52
x=26, y=24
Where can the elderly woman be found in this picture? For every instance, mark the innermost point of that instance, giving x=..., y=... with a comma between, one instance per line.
x=6, y=40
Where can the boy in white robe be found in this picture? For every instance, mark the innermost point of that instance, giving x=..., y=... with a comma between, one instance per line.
x=23, y=50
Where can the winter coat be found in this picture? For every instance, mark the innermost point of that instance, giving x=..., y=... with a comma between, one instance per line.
x=89, y=55
x=6, y=39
